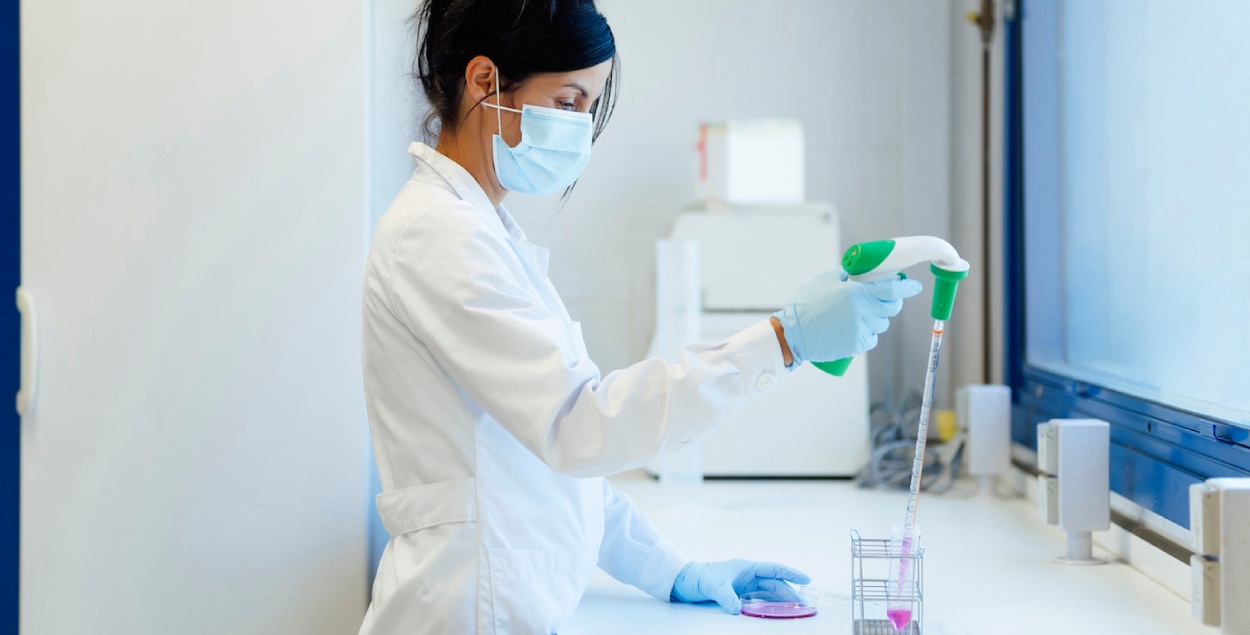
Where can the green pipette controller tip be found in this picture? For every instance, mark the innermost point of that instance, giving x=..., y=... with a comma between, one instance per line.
x=881, y=259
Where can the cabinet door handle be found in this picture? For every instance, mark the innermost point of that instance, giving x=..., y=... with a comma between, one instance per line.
x=26, y=393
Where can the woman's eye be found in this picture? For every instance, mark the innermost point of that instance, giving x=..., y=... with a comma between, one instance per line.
x=568, y=105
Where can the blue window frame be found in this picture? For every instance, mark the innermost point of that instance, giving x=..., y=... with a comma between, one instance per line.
x=1157, y=447
x=10, y=278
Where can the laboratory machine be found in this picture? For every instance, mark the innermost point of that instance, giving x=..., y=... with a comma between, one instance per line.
x=752, y=260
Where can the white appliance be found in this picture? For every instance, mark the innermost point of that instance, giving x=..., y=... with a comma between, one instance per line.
x=751, y=162
x=752, y=260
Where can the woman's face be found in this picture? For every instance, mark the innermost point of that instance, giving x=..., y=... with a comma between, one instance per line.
x=577, y=91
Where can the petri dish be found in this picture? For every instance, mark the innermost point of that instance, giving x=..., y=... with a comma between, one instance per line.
x=777, y=610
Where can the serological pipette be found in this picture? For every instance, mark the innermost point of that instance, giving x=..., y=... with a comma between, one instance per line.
x=879, y=260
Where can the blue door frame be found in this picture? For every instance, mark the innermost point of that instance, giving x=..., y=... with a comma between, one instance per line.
x=1157, y=451
x=10, y=278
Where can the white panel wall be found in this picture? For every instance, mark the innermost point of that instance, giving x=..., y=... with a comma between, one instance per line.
x=193, y=236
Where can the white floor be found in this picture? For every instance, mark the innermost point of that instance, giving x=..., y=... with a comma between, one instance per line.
x=988, y=567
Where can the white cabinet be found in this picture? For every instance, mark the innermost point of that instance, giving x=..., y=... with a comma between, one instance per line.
x=193, y=218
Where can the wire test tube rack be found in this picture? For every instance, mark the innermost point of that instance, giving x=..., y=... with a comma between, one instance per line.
x=873, y=567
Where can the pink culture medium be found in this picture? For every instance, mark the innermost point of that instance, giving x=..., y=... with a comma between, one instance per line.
x=900, y=618
x=778, y=610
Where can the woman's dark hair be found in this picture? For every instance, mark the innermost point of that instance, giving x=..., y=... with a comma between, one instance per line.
x=522, y=37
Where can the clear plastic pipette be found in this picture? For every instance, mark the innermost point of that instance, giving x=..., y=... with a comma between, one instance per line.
x=880, y=260
x=899, y=611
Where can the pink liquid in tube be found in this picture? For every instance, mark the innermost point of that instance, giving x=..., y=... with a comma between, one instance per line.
x=900, y=618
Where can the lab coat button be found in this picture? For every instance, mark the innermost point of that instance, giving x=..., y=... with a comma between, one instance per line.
x=765, y=382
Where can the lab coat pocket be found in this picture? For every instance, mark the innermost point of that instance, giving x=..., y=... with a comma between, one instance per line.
x=535, y=590
x=431, y=559
x=428, y=505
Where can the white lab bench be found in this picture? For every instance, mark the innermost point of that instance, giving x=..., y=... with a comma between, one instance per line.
x=988, y=564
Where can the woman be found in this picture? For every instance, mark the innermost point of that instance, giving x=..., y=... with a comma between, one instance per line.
x=492, y=427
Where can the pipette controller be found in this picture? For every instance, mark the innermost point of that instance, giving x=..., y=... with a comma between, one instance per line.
x=882, y=259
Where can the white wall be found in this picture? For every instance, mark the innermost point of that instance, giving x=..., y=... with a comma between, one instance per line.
x=926, y=185
x=966, y=207
x=872, y=82
x=193, y=224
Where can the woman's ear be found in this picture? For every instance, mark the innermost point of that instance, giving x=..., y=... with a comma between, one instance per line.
x=479, y=79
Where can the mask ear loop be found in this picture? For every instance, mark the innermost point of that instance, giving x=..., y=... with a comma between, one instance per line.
x=498, y=104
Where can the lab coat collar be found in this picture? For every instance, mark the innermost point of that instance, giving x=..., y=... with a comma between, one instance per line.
x=465, y=186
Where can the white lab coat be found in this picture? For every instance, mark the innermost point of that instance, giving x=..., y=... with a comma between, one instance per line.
x=493, y=429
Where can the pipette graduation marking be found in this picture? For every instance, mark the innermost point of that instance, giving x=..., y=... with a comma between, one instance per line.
x=900, y=614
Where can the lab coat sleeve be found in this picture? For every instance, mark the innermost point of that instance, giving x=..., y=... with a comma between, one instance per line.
x=460, y=286
x=633, y=550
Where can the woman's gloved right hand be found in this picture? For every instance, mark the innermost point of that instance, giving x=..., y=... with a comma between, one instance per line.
x=832, y=318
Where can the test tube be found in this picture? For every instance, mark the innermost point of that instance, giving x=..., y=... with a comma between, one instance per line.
x=901, y=592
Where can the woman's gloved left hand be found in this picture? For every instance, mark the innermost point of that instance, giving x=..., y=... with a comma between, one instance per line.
x=723, y=582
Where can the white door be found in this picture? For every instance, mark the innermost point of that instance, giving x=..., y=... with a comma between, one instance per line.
x=193, y=237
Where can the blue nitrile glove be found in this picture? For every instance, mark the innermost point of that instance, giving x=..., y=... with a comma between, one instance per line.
x=832, y=318
x=723, y=582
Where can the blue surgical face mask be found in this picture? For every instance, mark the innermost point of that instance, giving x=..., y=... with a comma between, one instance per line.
x=554, y=148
